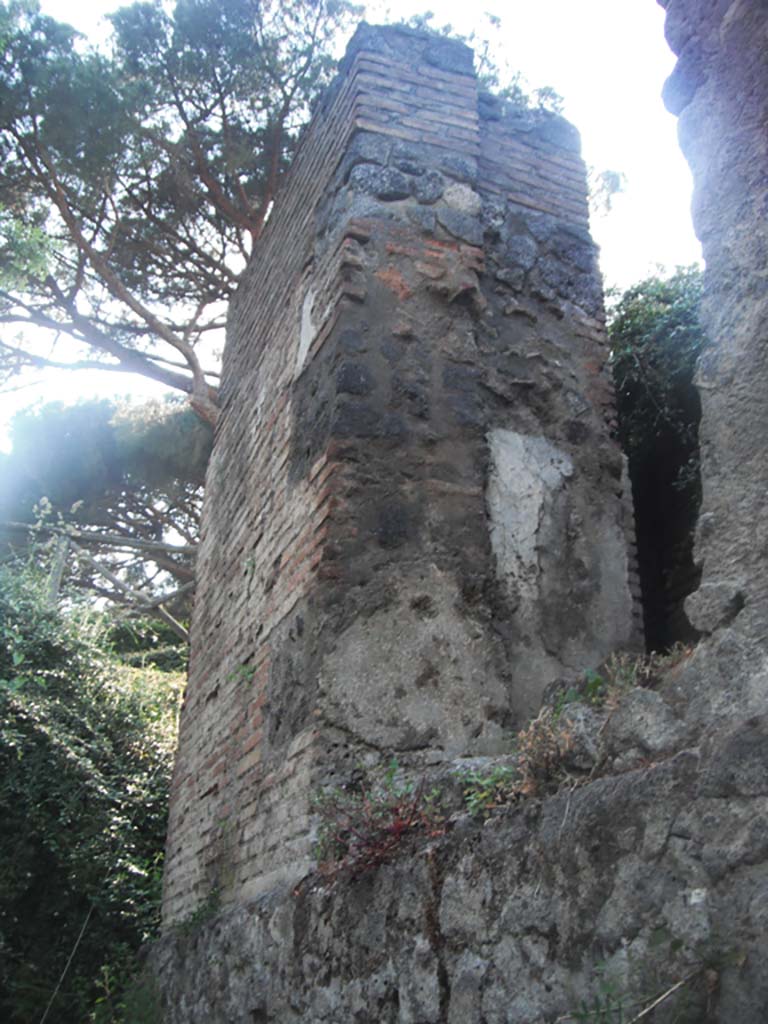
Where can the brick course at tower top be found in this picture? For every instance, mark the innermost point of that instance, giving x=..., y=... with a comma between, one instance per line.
x=416, y=518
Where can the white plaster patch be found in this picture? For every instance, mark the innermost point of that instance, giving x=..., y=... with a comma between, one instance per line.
x=462, y=198
x=526, y=473
x=561, y=559
x=307, y=331
x=525, y=505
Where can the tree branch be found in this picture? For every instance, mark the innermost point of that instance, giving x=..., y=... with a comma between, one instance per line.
x=108, y=539
x=144, y=601
x=202, y=395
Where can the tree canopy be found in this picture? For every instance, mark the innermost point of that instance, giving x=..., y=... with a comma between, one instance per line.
x=136, y=177
x=121, y=485
x=656, y=338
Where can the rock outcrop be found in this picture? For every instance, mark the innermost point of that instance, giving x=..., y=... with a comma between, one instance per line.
x=719, y=89
x=648, y=881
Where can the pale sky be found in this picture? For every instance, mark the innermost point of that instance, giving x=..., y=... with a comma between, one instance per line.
x=607, y=59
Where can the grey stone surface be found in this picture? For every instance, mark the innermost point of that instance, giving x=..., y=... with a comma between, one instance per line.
x=428, y=188
x=424, y=219
x=354, y=379
x=715, y=604
x=459, y=166
x=402, y=680
x=720, y=91
x=400, y=42
x=521, y=251
x=643, y=722
x=461, y=225
x=368, y=147
x=463, y=198
x=584, y=726
x=645, y=878
x=382, y=182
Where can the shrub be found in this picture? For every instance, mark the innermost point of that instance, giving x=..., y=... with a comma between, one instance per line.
x=656, y=338
x=85, y=756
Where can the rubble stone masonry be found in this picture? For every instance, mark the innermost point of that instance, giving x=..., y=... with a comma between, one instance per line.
x=416, y=518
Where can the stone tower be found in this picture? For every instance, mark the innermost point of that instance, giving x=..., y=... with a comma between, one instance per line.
x=416, y=518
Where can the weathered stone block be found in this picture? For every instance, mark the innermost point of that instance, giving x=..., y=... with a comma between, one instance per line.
x=382, y=182
x=428, y=188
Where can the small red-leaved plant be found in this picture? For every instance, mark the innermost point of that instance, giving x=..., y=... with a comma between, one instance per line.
x=362, y=827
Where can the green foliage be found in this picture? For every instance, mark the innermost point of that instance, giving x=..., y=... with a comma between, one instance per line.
x=85, y=755
x=656, y=338
x=608, y=1005
x=135, y=176
x=363, y=826
x=242, y=674
x=486, y=789
x=591, y=691
x=147, y=643
x=24, y=251
x=595, y=688
x=91, y=451
x=612, y=1003
x=621, y=672
x=127, y=998
x=204, y=912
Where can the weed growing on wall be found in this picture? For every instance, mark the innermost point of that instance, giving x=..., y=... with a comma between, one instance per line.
x=607, y=1006
x=362, y=827
x=128, y=996
x=620, y=673
x=489, y=788
x=542, y=748
x=208, y=909
x=689, y=996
